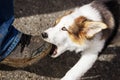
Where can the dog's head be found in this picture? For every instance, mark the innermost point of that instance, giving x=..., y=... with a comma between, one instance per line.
x=72, y=33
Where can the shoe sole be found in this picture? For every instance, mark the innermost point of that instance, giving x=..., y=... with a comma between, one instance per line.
x=20, y=63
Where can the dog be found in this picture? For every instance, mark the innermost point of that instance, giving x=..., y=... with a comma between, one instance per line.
x=85, y=30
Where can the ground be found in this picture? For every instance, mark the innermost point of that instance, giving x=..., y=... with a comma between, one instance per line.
x=34, y=16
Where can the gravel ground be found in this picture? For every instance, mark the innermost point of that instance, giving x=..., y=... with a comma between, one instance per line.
x=34, y=16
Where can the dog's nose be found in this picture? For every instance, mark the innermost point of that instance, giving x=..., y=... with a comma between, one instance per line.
x=44, y=35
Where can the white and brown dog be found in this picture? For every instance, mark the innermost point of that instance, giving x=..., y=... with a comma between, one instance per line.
x=85, y=30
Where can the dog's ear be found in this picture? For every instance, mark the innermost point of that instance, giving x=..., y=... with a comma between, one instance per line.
x=86, y=28
x=57, y=21
x=92, y=28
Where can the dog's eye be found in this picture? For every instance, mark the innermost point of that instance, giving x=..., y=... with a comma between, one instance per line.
x=64, y=29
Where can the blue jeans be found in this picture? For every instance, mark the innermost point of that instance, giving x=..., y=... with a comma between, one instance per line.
x=9, y=36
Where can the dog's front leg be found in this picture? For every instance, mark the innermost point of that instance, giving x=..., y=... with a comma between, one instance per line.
x=82, y=66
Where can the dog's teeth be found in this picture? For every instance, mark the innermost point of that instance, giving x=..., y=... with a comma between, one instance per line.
x=55, y=52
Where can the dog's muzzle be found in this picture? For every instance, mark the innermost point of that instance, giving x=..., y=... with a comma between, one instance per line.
x=44, y=35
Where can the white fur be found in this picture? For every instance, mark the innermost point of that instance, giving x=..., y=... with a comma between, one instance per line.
x=89, y=56
x=87, y=11
x=90, y=48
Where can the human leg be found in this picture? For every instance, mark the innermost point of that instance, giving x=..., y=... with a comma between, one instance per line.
x=18, y=49
x=9, y=35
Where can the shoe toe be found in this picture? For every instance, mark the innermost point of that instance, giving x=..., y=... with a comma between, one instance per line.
x=30, y=50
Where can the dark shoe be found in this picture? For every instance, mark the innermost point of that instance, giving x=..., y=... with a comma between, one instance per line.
x=29, y=50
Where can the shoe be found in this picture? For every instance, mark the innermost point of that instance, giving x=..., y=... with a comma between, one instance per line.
x=29, y=50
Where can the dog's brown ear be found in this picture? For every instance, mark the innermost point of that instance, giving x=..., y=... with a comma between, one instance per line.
x=57, y=21
x=92, y=28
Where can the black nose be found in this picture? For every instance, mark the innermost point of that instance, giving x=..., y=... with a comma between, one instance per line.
x=44, y=35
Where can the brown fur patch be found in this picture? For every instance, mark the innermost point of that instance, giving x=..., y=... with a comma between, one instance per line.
x=77, y=39
x=78, y=25
x=58, y=20
x=77, y=30
x=80, y=20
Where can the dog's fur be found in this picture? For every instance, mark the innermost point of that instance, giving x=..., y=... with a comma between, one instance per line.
x=84, y=30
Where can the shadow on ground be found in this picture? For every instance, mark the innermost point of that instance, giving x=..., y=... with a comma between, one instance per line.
x=33, y=7
x=102, y=70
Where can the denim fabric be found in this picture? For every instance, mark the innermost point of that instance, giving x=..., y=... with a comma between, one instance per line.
x=9, y=36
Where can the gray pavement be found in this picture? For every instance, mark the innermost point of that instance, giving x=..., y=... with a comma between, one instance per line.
x=34, y=16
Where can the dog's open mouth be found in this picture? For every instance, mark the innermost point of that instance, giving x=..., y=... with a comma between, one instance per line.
x=53, y=51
